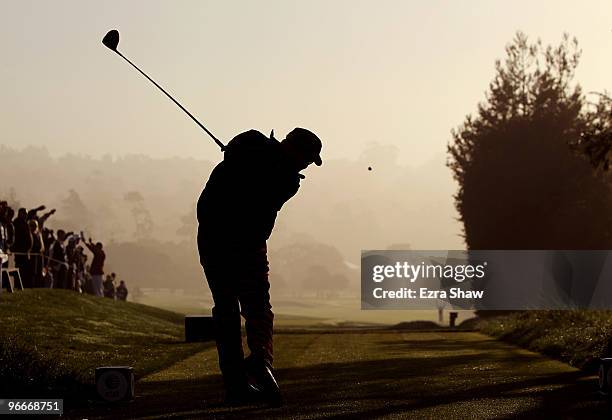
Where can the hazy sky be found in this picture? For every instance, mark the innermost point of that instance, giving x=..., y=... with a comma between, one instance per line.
x=400, y=72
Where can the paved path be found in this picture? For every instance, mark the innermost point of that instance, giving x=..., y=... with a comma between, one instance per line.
x=439, y=375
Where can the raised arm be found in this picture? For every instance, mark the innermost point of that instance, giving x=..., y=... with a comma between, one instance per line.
x=45, y=216
x=90, y=246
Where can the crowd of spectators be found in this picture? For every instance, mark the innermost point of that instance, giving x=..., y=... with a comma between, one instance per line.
x=53, y=259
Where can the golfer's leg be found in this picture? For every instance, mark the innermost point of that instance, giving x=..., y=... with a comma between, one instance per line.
x=226, y=316
x=256, y=308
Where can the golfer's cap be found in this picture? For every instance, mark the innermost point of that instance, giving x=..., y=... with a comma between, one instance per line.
x=308, y=142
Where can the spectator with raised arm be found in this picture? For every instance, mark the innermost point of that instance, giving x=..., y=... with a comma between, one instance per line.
x=97, y=267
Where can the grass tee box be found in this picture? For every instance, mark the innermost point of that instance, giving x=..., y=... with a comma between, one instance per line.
x=54, y=340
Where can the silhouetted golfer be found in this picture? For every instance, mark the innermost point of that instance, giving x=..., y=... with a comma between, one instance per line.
x=236, y=215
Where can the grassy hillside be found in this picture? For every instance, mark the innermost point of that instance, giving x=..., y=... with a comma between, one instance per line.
x=52, y=340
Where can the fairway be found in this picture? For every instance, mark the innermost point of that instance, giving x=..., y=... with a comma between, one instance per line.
x=303, y=311
x=374, y=373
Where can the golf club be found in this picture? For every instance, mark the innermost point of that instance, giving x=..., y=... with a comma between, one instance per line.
x=111, y=40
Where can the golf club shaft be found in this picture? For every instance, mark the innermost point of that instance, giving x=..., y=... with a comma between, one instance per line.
x=221, y=145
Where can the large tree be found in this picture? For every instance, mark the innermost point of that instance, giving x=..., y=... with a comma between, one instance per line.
x=521, y=186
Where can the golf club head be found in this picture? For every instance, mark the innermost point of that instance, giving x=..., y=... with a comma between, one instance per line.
x=111, y=39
